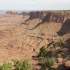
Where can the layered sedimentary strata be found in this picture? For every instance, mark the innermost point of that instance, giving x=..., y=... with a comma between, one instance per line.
x=37, y=14
x=54, y=16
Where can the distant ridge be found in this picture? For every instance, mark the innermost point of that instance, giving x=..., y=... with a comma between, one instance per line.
x=2, y=13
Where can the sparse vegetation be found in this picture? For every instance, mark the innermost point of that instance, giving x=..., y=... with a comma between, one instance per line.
x=62, y=43
x=26, y=65
x=22, y=35
x=6, y=66
x=18, y=64
x=42, y=52
x=22, y=65
x=48, y=62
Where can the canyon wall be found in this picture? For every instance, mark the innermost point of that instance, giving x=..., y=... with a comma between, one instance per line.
x=51, y=16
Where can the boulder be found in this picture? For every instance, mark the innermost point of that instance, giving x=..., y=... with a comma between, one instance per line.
x=59, y=60
x=67, y=64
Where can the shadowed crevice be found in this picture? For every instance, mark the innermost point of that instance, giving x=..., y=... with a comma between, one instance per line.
x=65, y=28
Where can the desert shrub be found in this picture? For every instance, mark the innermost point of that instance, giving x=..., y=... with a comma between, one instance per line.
x=42, y=52
x=26, y=65
x=62, y=43
x=48, y=62
x=22, y=65
x=6, y=66
x=18, y=64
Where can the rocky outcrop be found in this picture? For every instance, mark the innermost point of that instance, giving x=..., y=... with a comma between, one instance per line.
x=24, y=13
x=67, y=64
x=48, y=16
x=54, y=17
x=12, y=13
x=38, y=14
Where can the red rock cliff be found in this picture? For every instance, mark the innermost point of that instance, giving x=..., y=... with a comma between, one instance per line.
x=51, y=16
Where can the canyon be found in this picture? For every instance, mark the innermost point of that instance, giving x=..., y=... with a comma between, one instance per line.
x=23, y=34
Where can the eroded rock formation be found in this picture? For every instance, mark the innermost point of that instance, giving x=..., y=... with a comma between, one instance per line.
x=14, y=13
x=38, y=14
x=46, y=16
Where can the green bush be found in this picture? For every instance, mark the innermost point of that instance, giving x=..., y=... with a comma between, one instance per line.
x=22, y=65
x=26, y=65
x=42, y=52
x=62, y=43
x=48, y=62
x=6, y=66
x=18, y=64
